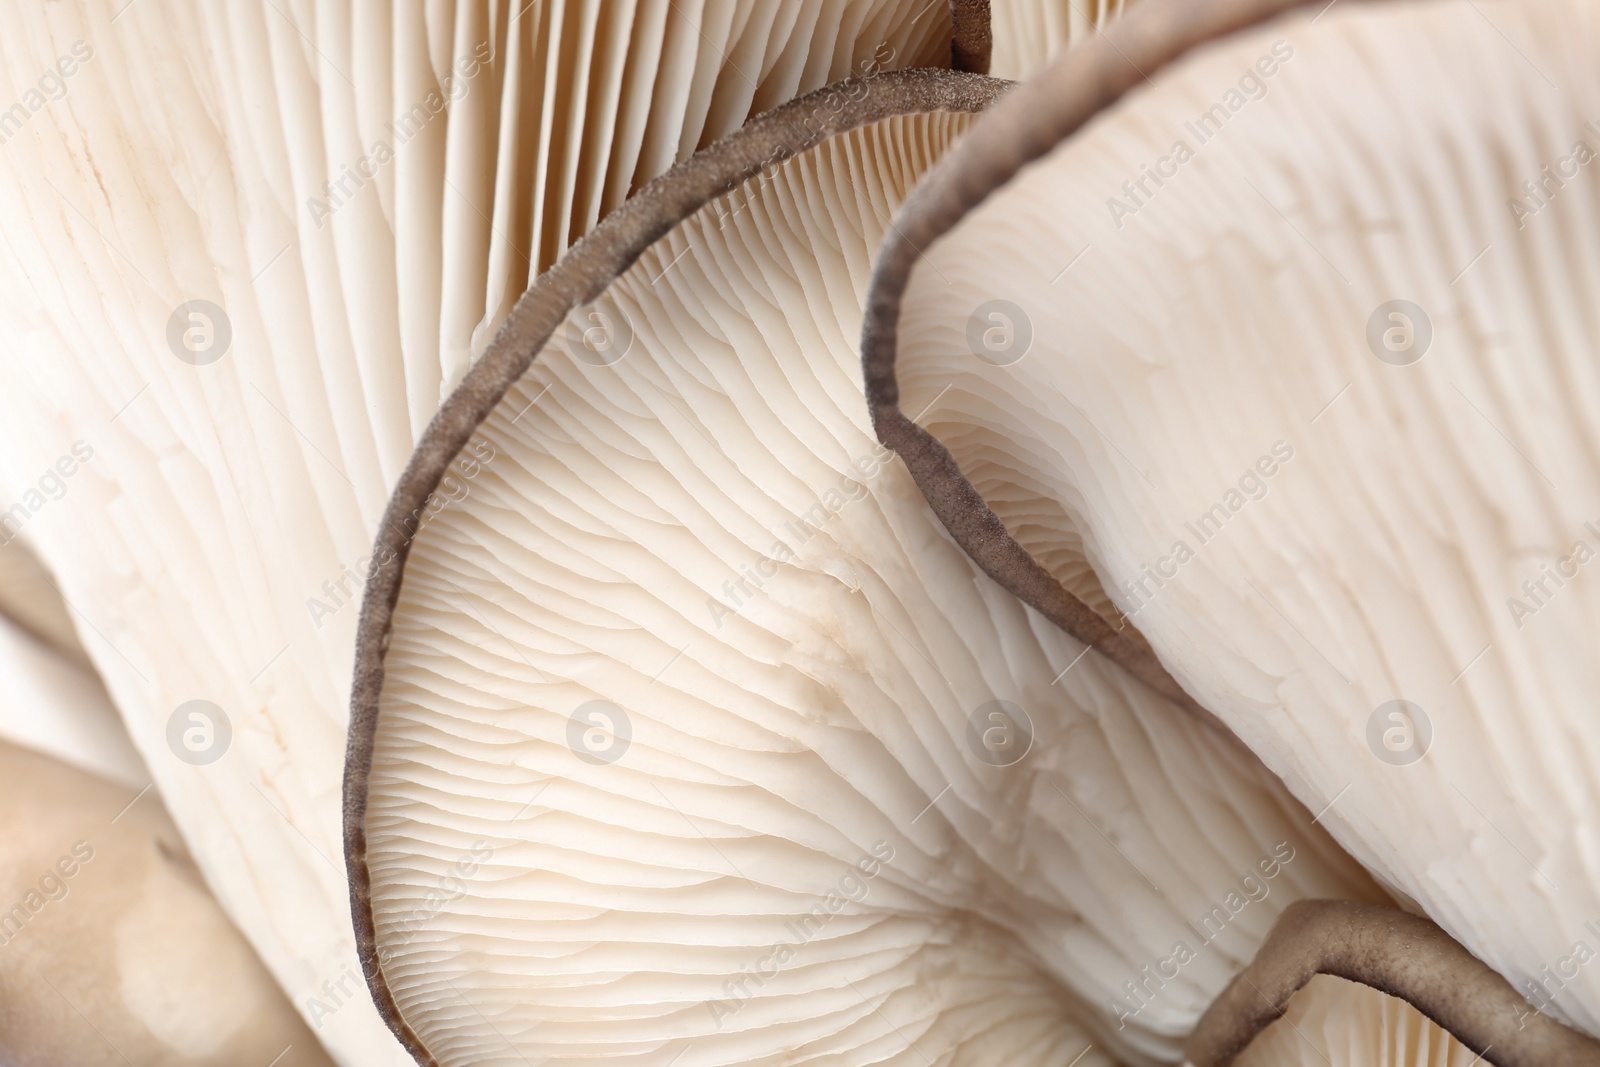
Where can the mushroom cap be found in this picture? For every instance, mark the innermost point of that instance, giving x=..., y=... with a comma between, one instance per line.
x=1359, y=497
x=354, y=255
x=676, y=739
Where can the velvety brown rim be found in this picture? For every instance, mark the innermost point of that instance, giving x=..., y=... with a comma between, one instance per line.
x=578, y=278
x=972, y=35
x=1031, y=122
x=1401, y=954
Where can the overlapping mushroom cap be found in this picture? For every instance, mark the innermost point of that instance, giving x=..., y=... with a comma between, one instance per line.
x=248, y=249
x=1295, y=348
x=694, y=740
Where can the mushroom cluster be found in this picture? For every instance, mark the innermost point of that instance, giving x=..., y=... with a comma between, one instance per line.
x=867, y=532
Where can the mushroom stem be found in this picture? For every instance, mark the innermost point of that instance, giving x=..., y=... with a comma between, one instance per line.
x=1037, y=117
x=1401, y=954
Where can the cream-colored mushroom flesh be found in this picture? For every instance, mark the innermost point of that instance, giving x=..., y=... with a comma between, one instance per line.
x=1030, y=33
x=699, y=743
x=248, y=248
x=112, y=949
x=1295, y=347
x=607, y=95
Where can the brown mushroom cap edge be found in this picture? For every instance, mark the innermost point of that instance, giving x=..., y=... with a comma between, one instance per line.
x=1391, y=950
x=580, y=277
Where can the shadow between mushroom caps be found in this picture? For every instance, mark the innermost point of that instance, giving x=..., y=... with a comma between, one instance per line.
x=581, y=276
x=1388, y=949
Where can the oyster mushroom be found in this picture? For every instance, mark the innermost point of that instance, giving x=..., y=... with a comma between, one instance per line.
x=863, y=687
x=684, y=736
x=1260, y=301
x=248, y=250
